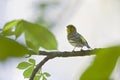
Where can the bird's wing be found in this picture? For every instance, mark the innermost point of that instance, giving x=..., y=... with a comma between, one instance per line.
x=81, y=38
x=84, y=41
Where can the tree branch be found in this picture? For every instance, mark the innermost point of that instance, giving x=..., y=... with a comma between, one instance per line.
x=67, y=53
x=53, y=54
x=38, y=67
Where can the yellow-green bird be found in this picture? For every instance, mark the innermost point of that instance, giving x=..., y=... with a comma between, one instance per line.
x=76, y=39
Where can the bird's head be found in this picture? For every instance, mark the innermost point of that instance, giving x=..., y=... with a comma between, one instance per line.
x=71, y=29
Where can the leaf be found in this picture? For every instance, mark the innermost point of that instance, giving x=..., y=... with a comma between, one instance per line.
x=23, y=65
x=11, y=48
x=19, y=29
x=27, y=73
x=37, y=36
x=31, y=42
x=32, y=61
x=7, y=30
x=46, y=74
x=41, y=37
x=37, y=77
x=103, y=64
x=44, y=78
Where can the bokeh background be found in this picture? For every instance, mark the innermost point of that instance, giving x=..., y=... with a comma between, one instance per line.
x=97, y=20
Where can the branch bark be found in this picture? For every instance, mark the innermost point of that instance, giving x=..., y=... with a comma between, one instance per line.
x=38, y=67
x=53, y=54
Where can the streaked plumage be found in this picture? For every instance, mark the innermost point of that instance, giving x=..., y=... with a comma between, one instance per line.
x=75, y=39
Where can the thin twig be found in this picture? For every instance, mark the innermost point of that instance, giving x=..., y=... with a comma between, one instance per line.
x=39, y=67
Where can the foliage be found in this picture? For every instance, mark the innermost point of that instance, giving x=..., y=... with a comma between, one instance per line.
x=28, y=68
x=36, y=36
x=9, y=47
x=103, y=65
x=45, y=7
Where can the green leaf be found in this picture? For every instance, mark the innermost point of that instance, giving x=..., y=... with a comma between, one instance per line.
x=19, y=29
x=23, y=65
x=46, y=74
x=7, y=30
x=11, y=48
x=32, y=61
x=37, y=77
x=41, y=37
x=27, y=73
x=44, y=78
x=37, y=36
x=103, y=64
x=31, y=42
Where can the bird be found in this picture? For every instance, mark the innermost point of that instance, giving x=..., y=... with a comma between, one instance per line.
x=76, y=39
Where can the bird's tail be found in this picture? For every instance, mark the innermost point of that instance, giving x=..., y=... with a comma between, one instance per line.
x=87, y=45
